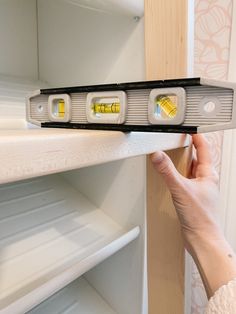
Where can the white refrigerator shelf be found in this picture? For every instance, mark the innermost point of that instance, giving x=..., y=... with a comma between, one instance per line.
x=78, y=297
x=50, y=234
x=37, y=152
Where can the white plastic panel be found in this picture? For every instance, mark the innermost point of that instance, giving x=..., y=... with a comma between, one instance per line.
x=45, y=151
x=18, y=36
x=50, y=234
x=78, y=297
x=123, y=275
x=131, y=7
x=13, y=93
x=95, y=46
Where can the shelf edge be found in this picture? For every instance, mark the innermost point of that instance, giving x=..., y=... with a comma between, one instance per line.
x=31, y=153
x=40, y=294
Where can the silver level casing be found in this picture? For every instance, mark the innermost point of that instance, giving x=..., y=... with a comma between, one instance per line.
x=221, y=93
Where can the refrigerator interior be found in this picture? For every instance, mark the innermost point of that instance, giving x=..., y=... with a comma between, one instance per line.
x=75, y=241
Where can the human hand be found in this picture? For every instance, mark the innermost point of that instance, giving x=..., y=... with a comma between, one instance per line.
x=195, y=198
x=196, y=201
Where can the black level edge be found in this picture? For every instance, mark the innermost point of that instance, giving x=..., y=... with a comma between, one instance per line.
x=124, y=86
x=122, y=127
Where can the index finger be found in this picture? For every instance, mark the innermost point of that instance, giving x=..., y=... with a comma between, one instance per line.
x=202, y=149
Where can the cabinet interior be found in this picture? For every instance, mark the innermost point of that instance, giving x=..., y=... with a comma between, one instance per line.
x=72, y=42
x=88, y=223
x=58, y=227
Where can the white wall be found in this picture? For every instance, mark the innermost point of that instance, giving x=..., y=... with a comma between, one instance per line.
x=129, y=65
x=131, y=7
x=82, y=46
x=18, y=37
x=228, y=172
x=119, y=189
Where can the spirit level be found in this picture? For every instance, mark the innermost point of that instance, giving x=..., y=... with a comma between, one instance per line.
x=193, y=105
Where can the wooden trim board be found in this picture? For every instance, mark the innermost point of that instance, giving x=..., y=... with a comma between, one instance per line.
x=166, y=46
x=166, y=35
x=165, y=245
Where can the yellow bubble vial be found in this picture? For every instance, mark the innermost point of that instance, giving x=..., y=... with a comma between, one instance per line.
x=167, y=105
x=106, y=107
x=61, y=108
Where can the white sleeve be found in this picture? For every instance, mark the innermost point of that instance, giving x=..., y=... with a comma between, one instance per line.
x=224, y=300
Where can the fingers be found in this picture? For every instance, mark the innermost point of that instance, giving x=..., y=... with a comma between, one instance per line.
x=202, y=149
x=203, y=166
x=193, y=168
x=163, y=164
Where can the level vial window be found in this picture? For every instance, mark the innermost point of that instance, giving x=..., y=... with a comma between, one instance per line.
x=59, y=108
x=166, y=106
x=106, y=107
x=113, y=107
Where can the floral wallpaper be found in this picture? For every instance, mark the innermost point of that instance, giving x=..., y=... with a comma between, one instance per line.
x=212, y=37
x=213, y=20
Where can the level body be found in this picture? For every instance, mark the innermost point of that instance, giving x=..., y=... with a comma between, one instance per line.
x=193, y=105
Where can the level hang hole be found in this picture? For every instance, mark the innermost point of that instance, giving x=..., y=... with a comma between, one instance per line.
x=210, y=106
x=59, y=108
x=40, y=108
x=167, y=106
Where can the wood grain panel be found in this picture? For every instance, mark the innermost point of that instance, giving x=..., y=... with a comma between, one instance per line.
x=165, y=245
x=166, y=47
x=166, y=38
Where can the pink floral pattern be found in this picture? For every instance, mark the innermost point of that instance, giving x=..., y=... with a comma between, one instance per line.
x=212, y=37
x=213, y=19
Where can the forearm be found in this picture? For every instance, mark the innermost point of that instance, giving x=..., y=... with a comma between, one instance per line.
x=215, y=260
x=196, y=201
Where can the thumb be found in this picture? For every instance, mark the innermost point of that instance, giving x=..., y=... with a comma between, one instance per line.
x=163, y=164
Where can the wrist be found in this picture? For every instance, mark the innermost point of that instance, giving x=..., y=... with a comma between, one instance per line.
x=195, y=238
x=214, y=258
